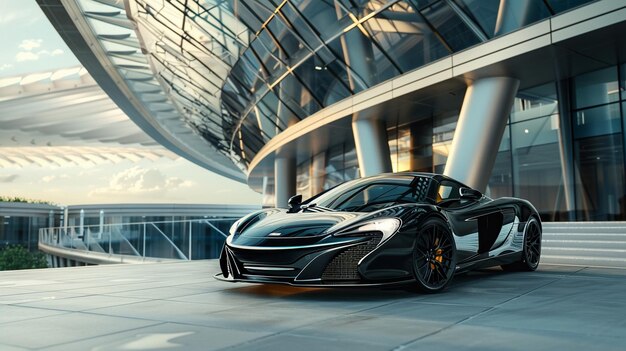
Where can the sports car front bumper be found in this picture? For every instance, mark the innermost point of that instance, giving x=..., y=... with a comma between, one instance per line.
x=314, y=265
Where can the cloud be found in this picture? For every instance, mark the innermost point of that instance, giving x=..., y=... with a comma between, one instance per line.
x=34, y=56
x=138, y=180
x=5, y=66
x=7, y=18
x=8, y=178
x=26, y=56
x=48, y=178
x=55, y=52
x=30, y=44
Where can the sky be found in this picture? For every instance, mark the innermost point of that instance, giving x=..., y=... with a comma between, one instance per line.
x=165, y=181
x=30, y=45
x=29, y=42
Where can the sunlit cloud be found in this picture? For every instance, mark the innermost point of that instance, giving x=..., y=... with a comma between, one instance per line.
x=138, y=180
x=34, y=56
x=30, y=44
x=51, y=178
x=26, y=56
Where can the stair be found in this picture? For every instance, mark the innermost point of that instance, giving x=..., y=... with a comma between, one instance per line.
x=591, y=244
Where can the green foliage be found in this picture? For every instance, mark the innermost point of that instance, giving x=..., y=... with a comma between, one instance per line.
x=23, y=200
x=16, y=257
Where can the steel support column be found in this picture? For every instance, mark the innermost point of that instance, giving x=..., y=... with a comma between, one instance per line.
x=486, y=108
x=372, y=146
x=284, y=179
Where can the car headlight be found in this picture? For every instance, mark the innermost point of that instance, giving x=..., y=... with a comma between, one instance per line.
x=386, y=226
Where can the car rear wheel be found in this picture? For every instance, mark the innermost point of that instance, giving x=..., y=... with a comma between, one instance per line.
x=434, y=256
x=531, y=252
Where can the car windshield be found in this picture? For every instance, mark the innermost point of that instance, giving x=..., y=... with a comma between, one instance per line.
x=371, y=194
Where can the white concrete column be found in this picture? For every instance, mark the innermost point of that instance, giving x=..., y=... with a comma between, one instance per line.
x=372, y=146
x=486, y=108
x=284, y=180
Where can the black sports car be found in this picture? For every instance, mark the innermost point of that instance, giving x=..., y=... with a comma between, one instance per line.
x=417, y=228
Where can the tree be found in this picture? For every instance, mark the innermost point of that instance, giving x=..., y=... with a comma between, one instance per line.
x=17, y=257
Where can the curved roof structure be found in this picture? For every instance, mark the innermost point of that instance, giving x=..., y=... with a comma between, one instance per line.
x=104, y=40
x=216, y=80
x=63, y=117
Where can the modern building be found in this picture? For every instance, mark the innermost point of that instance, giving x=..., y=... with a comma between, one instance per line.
x=520, y=98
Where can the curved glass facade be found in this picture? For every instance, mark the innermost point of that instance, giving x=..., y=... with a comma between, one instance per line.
x=244, y=71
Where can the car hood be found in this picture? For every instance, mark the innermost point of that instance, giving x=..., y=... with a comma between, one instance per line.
x=280, y=224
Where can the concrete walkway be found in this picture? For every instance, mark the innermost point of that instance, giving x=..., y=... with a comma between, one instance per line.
x=180, y=306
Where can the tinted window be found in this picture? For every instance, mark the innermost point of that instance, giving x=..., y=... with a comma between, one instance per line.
x=376, y=196
x=448, y=191
x=369, y=195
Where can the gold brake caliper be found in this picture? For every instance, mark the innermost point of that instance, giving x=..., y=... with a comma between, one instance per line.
x=438, y=255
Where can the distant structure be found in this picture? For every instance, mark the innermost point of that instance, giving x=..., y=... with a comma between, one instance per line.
x=117, y=233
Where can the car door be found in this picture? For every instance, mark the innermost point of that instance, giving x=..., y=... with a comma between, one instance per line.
x=478, y=224
x=459, y=212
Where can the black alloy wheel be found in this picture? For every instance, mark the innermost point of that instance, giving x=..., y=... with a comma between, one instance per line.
x=531, y=253
x=434, y=256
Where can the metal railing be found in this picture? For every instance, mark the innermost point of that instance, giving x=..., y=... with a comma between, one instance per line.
x=181, y=240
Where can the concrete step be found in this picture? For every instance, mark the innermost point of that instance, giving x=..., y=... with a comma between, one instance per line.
x=585, y=261
x=601, y=244
x=589, y=244
x=585, y=227
x=584, y=252
x=585, y=236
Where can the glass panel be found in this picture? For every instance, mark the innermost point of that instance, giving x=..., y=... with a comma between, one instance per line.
x=600, y=180
x=537, y=172
x=334, y=161
x=622, y=74
x=483, y=12
x=292, y=93
x=319, y=82
x=301, y=26
x=327, y=18
x=456, y=33
x=368, y=63
x=536, y=102
x=302, y=180
x=597, y=121
x=249, y=18
x=501, y=181
x=405, y=37
x=443, y=132
x=596, y=88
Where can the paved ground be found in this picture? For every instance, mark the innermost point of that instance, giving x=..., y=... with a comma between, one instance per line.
x=180, y=306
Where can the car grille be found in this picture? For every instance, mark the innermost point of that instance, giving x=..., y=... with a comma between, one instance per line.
x=344, y=265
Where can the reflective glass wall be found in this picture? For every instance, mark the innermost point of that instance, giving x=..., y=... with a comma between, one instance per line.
x=563, y=149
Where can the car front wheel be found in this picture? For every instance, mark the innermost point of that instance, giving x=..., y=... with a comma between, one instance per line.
x=434, y=256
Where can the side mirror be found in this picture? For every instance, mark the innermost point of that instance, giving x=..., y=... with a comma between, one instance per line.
x=471, y=194
x=294, y=203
